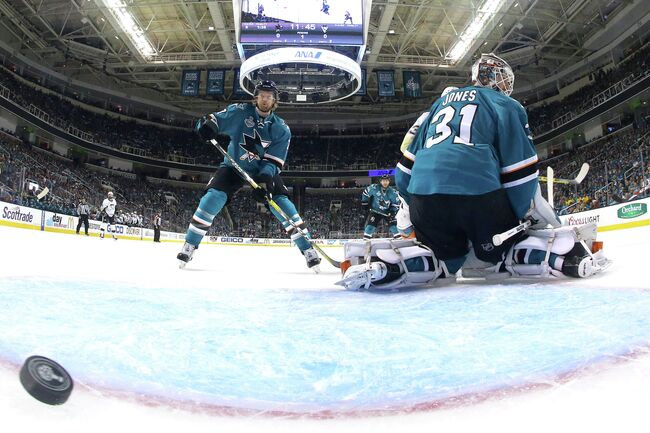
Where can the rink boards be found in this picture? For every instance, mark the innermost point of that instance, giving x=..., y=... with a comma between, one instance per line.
x=617, y=217
x=13, y=215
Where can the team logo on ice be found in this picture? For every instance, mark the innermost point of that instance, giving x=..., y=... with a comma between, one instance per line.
x=252, y=145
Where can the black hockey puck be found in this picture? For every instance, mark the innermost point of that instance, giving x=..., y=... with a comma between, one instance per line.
x=45, y=380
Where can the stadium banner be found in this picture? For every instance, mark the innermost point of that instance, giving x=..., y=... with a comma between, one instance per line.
x=191, y=79
x=59, y=222
x=362, y=90
x=386, y=83
x=215, y=82
x=19, y=216
x=615, y=217
x=412, y=85
x=236, y=87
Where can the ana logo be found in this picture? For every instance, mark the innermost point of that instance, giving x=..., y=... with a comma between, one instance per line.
x=632, y=210
x=308, y=54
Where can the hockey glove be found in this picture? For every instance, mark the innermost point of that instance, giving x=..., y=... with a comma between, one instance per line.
x=266, y=186
x=208, y=129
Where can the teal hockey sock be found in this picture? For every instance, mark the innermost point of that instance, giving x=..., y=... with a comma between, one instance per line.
x=211, y=203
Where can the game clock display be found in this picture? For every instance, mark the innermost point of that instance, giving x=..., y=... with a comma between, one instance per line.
x=331, y=22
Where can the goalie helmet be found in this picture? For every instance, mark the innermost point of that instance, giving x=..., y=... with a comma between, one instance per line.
x=493, y=72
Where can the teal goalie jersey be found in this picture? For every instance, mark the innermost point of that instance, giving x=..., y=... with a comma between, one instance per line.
x=475, y=140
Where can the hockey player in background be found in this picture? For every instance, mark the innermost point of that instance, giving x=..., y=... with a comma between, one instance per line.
x=258, y=140
x=381, y=202
x=107, y=215
x=469, y=173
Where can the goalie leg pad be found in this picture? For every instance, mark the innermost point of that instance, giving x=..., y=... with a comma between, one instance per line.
x=566, y=251
x=383, y=264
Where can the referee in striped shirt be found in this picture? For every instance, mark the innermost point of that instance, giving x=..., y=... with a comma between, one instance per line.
x=83, y=210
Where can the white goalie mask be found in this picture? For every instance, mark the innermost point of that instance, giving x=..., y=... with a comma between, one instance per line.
x=493, y=72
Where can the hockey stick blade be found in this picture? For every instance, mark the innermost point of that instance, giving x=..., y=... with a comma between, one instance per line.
x=42, y=193
x=584, y=170
x=272, y=203
x=581, y=174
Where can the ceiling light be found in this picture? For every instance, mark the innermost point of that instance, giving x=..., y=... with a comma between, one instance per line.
x=483, y=14
x=391, y=32
x=211, y=28
x=128, y=24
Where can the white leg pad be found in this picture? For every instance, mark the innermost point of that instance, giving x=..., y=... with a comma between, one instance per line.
x=563, y=241
x=363, y=273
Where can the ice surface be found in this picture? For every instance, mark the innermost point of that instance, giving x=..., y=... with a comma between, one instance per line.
x=252, y=329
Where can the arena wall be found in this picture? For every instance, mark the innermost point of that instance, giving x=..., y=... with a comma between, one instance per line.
x=617, y=217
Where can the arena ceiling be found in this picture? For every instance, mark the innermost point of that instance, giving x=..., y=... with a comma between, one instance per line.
x=538, y=37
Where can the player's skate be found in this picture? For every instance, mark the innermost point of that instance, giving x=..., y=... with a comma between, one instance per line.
x=313, y=261
x=185, y=255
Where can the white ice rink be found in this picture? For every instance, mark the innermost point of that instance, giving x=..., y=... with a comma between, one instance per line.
x=248, y=339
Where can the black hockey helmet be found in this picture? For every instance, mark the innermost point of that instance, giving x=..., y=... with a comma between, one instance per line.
x=268, y=86
x=384, y=176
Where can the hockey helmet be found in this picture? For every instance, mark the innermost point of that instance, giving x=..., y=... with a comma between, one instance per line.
x=268, y=86
x=110, y=194
x=493, y=72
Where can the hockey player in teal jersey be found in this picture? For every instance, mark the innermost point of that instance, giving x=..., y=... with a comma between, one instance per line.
x=258, y=140
x=381, y=202
x=469, y=173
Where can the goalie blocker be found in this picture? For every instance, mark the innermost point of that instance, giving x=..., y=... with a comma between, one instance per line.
x=383, y=264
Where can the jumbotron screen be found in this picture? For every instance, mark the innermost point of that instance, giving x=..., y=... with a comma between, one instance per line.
x=310, y=22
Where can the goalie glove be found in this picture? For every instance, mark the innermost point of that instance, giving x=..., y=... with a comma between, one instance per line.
x=403, y=219
x=541, y=214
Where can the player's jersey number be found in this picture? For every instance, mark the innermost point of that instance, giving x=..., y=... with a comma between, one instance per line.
x=441, y=121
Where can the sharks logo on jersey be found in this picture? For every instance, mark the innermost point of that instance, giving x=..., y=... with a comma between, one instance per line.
x=254, y=146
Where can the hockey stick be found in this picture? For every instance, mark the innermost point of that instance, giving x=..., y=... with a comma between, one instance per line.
x=575, y=181
x=498, y=239
x=550, y=177
x=43, y=193
x=272, y=202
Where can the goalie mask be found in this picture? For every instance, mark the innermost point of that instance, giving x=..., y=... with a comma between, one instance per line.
x=493, y=72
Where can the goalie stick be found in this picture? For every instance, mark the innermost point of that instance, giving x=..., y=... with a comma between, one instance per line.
x=500, y=238
x=272, y=203
x=575, y=181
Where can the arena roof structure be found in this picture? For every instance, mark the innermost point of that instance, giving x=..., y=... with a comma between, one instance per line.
x=141, y=46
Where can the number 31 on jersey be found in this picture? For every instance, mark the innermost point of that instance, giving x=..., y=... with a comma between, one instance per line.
x=443, y=131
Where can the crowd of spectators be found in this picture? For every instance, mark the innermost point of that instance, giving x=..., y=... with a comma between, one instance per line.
x=631, y=69
x=619, y=171
x=370, y=150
